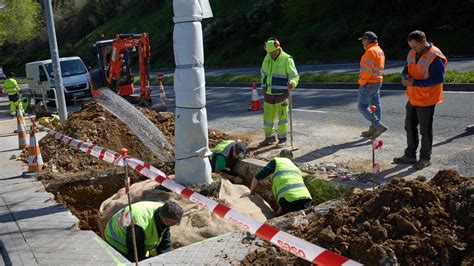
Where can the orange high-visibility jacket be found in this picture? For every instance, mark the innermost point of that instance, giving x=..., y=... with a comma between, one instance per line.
x=372, y=64
x=424, y=96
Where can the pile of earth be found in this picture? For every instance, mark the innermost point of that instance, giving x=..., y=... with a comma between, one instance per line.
x=413, y=222
x=94, y=124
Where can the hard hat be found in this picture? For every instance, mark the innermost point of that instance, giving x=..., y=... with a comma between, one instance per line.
x=272, y=45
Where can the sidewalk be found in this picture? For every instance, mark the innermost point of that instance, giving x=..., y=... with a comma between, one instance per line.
x=34, y=229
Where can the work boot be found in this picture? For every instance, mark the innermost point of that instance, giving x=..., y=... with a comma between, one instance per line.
x=404, y=159
x=268, y=141
x=470, y=128
x=368, y=133
x=381, y=128
x=422, y=163
x=281, y=143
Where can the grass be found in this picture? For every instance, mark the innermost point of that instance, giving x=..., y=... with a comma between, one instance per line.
x=452, y=76
x=323, y=190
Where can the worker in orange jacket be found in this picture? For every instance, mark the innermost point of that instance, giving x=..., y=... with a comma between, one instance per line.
x=423, y=77
x=370, y=80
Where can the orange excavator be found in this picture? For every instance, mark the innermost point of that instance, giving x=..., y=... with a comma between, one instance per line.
x=115, y=72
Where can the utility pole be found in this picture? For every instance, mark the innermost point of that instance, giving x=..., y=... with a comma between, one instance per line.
x=53, y=47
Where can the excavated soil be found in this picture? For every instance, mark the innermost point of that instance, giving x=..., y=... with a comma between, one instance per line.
x=412, y=222
x=82, y=182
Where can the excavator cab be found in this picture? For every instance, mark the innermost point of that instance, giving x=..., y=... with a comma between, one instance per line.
x=115, y=66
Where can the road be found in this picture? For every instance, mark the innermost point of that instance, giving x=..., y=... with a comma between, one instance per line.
x=327, y=126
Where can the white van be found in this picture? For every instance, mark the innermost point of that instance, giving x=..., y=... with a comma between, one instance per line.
x=75, y=75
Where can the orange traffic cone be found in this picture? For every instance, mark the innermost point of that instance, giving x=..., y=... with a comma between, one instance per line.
x=160, y=77
x=35, y=160
x=162, y=92
x=255, y=104
x=20, y=121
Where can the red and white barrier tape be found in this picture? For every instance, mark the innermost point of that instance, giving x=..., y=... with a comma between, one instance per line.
x=290, y=243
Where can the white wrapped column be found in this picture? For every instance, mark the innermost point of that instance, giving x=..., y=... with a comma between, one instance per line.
x=191, y=139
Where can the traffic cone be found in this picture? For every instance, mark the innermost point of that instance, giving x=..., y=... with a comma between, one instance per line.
x=162, y=92
x=160, y=77
x=255, y=103
x=22, y=138
x=35, y=160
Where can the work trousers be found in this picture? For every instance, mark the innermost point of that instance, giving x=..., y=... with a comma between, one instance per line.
x=293, y=206
x=275, y=105
x=14, y=101
x=422, y=116
x=369, y=94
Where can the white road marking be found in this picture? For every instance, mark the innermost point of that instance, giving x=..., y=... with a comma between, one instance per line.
x=310, y=111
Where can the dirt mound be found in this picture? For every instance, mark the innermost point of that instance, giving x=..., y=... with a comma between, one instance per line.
x=414, y=222
x=82, y=182
x=94, y=124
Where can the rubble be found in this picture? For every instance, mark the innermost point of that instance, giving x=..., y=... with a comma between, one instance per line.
x=411, y=222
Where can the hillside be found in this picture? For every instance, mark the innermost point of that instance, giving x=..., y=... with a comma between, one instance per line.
x=310, y=30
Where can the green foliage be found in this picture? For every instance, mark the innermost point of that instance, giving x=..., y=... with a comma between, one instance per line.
x=18, y=21
x=322, y=190
x=460, y=77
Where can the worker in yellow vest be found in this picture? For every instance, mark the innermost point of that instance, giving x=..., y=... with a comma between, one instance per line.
x=13, y=91
x=152, y=222
x=225, y=154
x=279, y=75
x=423, y=77
x=288, y=185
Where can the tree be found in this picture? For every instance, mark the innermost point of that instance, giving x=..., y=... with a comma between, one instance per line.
x=18, y=20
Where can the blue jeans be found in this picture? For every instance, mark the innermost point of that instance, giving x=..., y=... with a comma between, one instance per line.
x=369, y=94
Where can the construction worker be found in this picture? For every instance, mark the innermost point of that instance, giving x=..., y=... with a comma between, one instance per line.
x=279, y=75
x=288, y=186
x=152, y=222
x=370, y=81
x=423, y=77
x=225, y=154
x=13, y=90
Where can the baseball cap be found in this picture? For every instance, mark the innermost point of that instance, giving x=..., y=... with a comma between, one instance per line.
x=240, y=149
x=369, y=35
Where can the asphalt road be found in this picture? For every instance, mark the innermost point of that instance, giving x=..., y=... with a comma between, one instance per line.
x=327, y=127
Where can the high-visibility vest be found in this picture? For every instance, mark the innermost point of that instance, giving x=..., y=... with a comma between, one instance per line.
x=276, y=74
x=287, y=181
x=143, y=216
x=11, y=86
x=223, y=148
x=424, y=96
x=372, y=65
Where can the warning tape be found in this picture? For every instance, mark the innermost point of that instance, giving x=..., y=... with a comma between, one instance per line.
x=297, y=246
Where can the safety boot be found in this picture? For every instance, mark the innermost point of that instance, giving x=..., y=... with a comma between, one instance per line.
x=405, y=159
x=368, y=133
x=381, y=128
x=422, y=163
x=268, y=141
x=281, y=143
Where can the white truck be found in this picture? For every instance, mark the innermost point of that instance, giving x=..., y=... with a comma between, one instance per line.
x=75, y=75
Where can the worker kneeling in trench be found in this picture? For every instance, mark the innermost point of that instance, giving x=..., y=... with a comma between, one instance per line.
x=152, y=221
x=288, y=185
x=225, y=154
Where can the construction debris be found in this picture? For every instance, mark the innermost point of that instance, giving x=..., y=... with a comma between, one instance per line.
x=409, y=222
